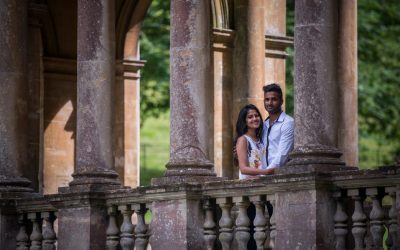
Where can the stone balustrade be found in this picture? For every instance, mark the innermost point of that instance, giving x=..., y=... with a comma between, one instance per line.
x=366, y=214
x=37, y=222
x=236, y=213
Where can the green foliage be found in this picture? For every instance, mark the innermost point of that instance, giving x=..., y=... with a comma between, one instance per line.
x=379, y=72
x=154, y=48
x=154, y=147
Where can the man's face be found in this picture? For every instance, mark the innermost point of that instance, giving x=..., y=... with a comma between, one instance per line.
x=272, y=102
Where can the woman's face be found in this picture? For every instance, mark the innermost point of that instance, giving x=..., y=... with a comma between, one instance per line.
x=253, y=120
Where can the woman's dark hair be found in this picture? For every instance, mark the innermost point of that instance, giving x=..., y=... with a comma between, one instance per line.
x=241, y=127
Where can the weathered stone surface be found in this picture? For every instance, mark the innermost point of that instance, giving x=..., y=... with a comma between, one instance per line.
x=8, y=227
x=35, y=105
x=190, y=89
x=315, y=73
x=95, y=79
x=315, y=230
x=177, y=224
x=249, y=56
x=82, y=228
x=316, y=89
x=223, y=80
x=13, y=102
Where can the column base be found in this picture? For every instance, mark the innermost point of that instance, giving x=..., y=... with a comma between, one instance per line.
x=187, y=172
x=11, y=186
x=93, y=181
x=314, y=159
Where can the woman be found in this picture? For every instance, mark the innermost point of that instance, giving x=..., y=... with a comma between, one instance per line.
x=249, y=146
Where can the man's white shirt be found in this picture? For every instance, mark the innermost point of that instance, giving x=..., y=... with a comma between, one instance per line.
x=279, y=140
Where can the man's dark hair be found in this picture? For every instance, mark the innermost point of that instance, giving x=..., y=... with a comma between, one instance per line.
x=273, y=87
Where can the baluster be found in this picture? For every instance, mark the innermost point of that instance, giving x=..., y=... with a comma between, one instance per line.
x=22, y=236
x=36, y=235
x=259, y=221
x=127, y=241
x=359, y=218
x=209, y=224
x=340, y=219
x=376, y=217
x=393, y=220
x=273, y=226
x=225, y=223
x=242, y=222
x=49, y=236
x=267, y=227
x=142, y=238
x=112, y=229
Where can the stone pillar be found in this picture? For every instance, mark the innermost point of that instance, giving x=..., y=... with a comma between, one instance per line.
x=316, y=116
x=191, y=116
x=276, y=43
x=191, y=108
x=223, y=130
x=249, y=56
x=13, y=70
x=127, y=122
x=347, y=79
x=95, y=83
x=82, y=212
x=59, y=125
x=316, y=89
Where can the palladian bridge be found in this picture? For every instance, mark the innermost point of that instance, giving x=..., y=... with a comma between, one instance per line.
x=70, y=72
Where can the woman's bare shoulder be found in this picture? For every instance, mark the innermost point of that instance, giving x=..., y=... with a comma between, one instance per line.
x=241, y=142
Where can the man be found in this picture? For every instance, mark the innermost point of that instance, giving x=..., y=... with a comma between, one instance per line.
x=278, y=128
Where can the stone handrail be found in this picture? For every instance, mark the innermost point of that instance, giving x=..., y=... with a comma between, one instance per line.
x=235, y=212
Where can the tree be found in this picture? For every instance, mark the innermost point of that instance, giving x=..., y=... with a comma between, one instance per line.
x=154, y=48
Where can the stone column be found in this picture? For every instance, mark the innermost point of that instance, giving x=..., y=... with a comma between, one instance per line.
x=82, y=212
x=191, y=116
x=223, y=130
x=316, y=88
x=13, y=70
x=191, y=108
x=249, y=56
x=347, y=80
x=276, y=43
x=316, y=131
x=127, y=122
x=95, y=85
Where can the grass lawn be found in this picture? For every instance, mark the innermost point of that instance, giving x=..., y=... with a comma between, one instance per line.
x=154, y=148
x=372, y=155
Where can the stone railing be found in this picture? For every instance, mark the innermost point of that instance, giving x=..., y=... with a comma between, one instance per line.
x=37, y=223
x=237, y=213
x=366, y=214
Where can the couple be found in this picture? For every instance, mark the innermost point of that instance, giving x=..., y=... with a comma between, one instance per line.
x=262, y=147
